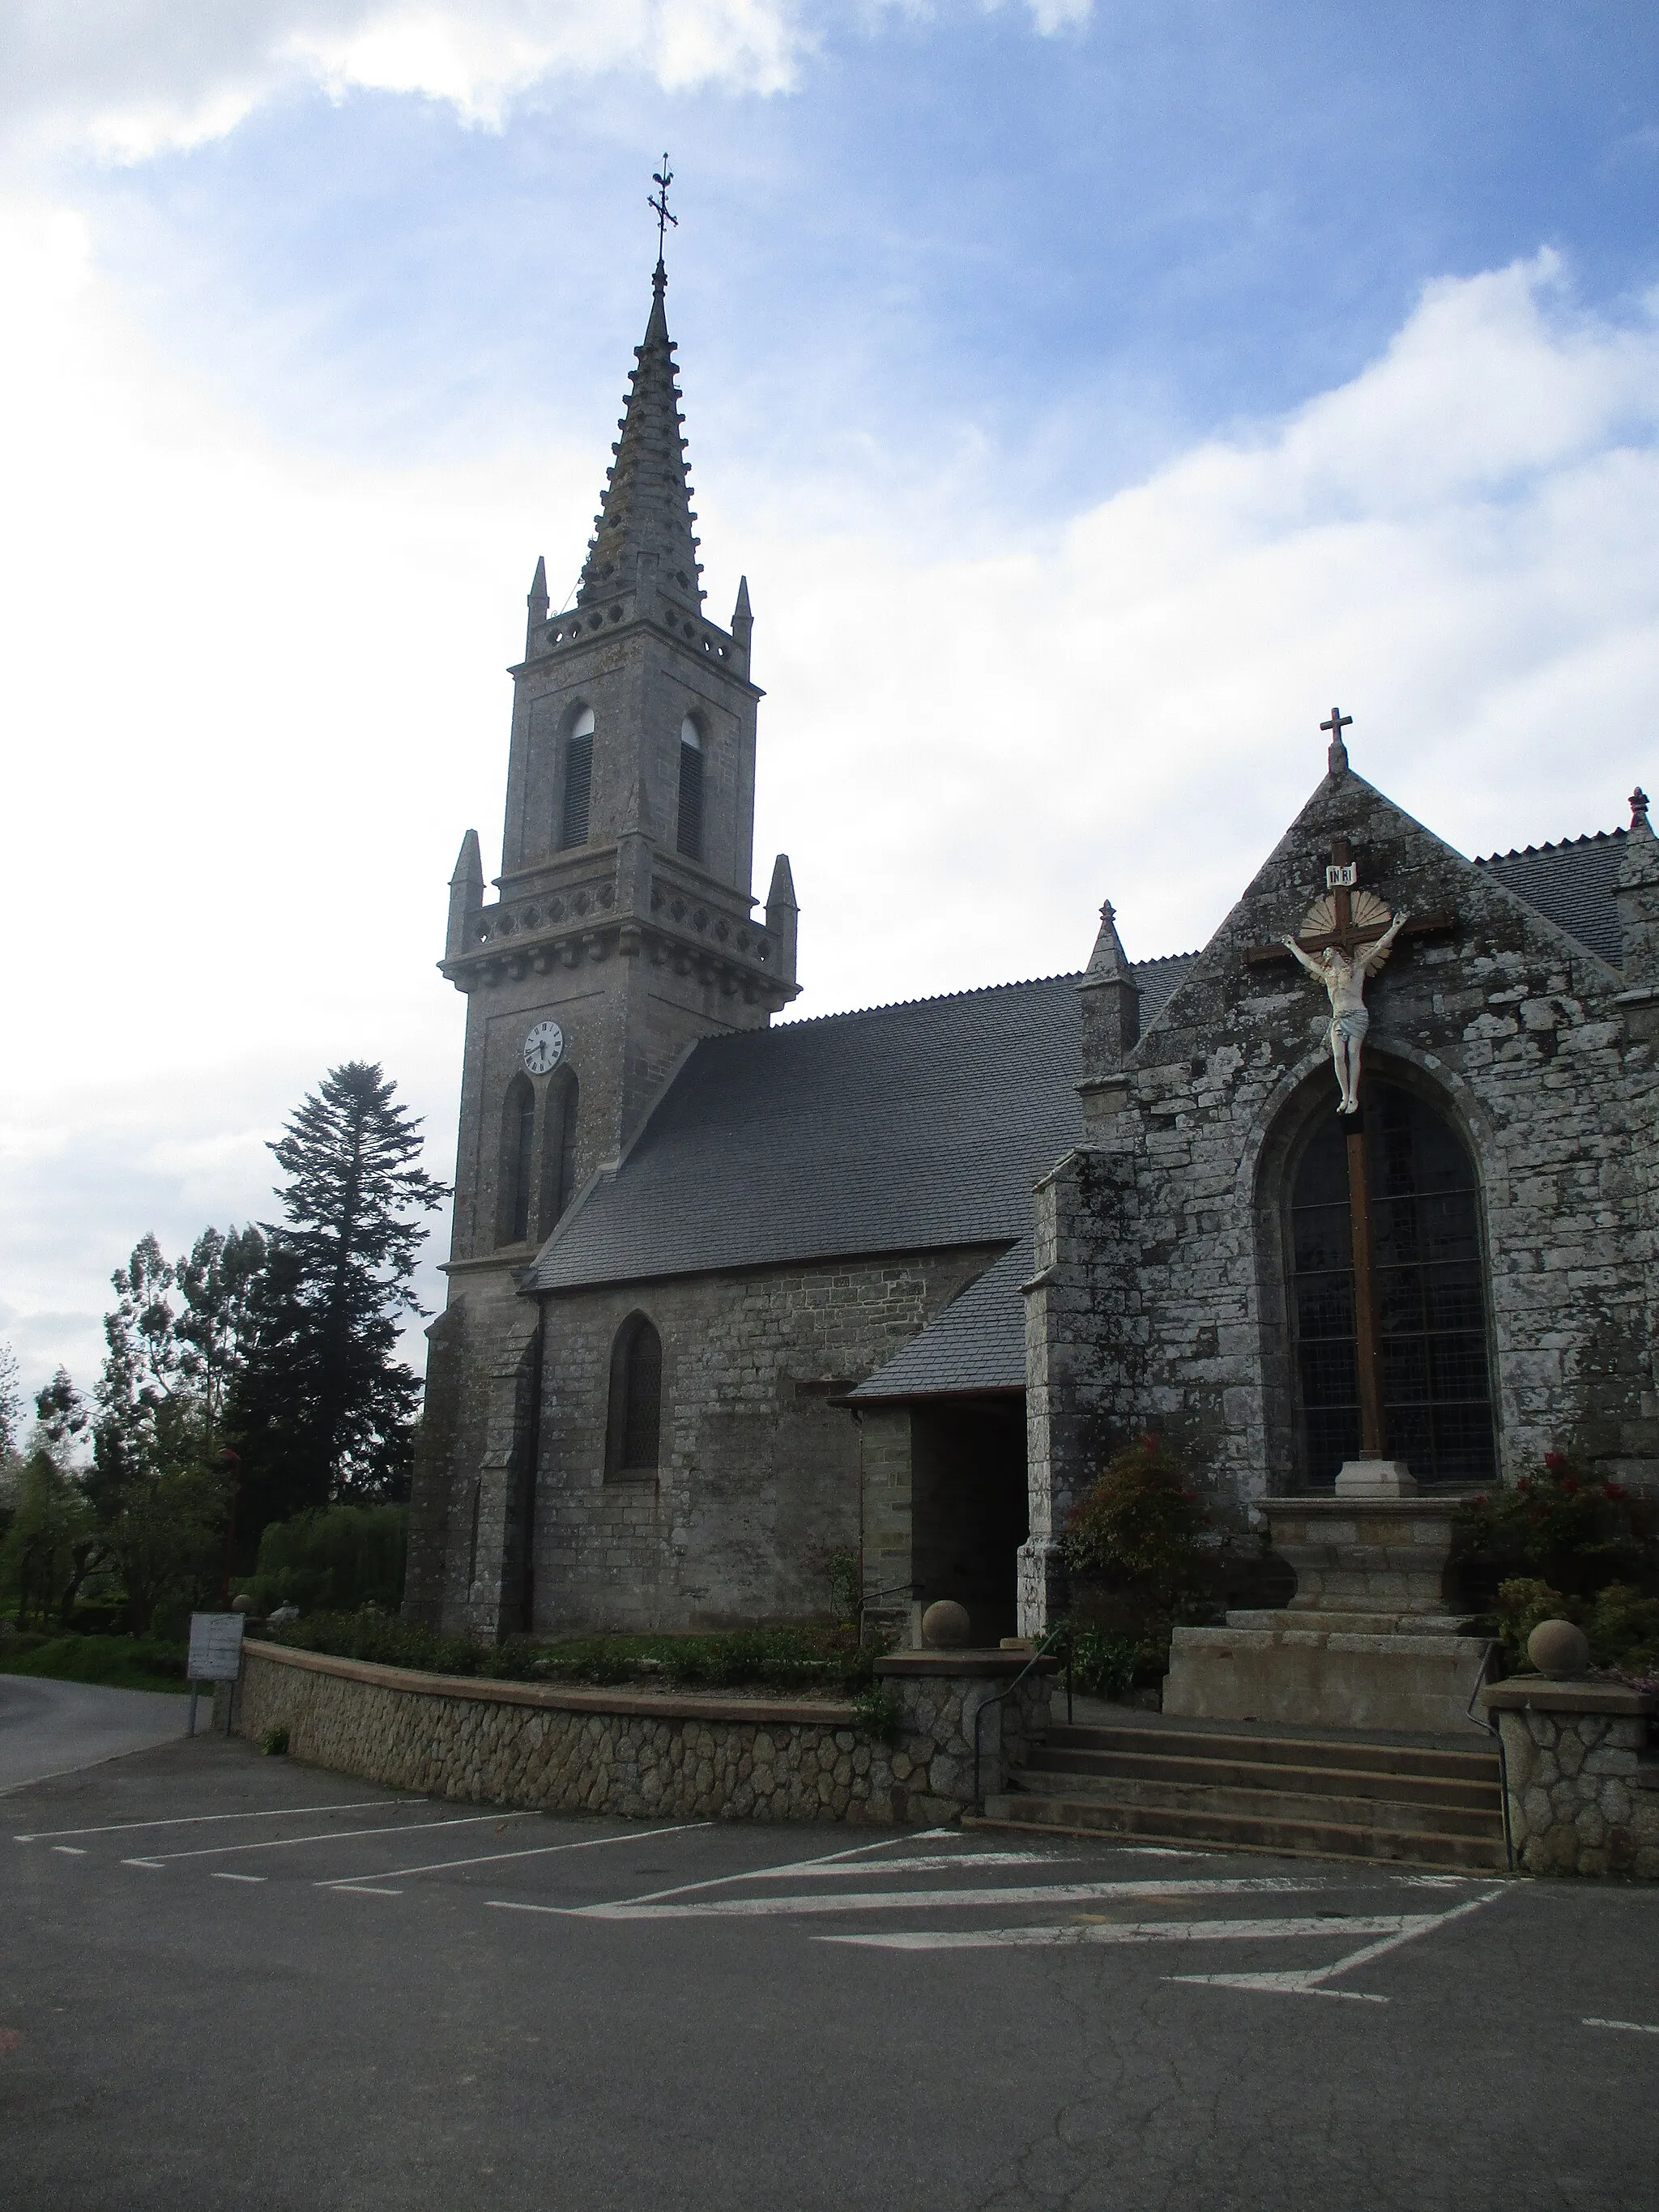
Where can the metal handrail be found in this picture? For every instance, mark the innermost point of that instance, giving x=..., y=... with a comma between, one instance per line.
x=1040, y=1651
x=1493, y=1729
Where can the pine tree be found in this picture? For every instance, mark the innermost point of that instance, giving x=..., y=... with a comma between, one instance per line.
x=325, y=1409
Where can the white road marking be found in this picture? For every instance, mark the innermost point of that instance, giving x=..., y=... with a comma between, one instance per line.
x=1629, y=2026
x=1312, y=1983
x=1139, y=1931
x=536, y=1851
x=331, y=1836
x=236, y=1877
x=69, y=1851
x=918, y=1900
x=364, y=1889
x=793, y=1866
x=201, y=1819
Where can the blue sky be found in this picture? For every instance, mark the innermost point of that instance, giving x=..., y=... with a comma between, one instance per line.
x=1090, y=394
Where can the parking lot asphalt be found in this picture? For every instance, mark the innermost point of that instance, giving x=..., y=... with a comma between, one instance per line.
x=231, y=1981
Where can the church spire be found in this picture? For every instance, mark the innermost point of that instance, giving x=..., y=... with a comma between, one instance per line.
x=646, y=518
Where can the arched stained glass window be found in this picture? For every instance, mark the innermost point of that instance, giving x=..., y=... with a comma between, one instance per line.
x=576, y=807
x=633, y=1431
x=688, y=835
x=1427, y=1305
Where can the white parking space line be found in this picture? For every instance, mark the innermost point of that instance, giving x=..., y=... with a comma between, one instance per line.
x=221, y=1876
x=69, y=1851
x=825, y=1862
x=1626, y=2026
x=932, y=1900
x=364, y=1889
x=1139, y=1931
x=534, y=1851
x=200, y=1819
x=1312, y=1983
x=329, y=1836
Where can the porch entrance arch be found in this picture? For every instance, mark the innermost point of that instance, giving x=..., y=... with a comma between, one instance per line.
x=1387, y=1294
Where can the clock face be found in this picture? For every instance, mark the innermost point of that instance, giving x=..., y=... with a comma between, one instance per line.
x=544, y=1048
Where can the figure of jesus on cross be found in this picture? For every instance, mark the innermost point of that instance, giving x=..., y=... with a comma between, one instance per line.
x=1342, y=956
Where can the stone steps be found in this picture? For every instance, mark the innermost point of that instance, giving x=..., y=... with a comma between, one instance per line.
x=1306, y=1797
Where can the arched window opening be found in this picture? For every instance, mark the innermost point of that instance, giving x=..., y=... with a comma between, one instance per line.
x=558, y=1148
x=518, y=1161
x=1427, y=1318
x=576, y=813
x=688, y=836
x=634, y=1429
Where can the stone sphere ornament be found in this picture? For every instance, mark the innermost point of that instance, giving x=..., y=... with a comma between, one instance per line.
x=1558, y=1649
x=945, y=1624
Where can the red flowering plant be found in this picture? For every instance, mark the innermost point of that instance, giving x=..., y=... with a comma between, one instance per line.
x=1573, y=1530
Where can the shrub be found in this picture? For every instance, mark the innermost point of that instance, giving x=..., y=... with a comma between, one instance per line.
x=334, y=1559
x=1104, y=1665
x=1561, y=1526
x=274, y=1741
x=1139, y=1526
x=878, y=1713
x=121, y=1663
x=775, y=1658
x=1621, y=1623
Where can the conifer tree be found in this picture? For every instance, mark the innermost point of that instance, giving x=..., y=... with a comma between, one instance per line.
x=324, y=1408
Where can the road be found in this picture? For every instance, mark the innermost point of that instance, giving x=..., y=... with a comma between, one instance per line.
x=52, y=1728
x=229, y=1981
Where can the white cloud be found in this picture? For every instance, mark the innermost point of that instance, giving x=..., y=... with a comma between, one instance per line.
x=130, y=78
x=252, y=699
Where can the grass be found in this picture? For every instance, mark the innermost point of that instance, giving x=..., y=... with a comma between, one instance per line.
x=118, y=1663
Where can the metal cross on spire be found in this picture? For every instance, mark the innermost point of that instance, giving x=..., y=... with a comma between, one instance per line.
x=657, y=202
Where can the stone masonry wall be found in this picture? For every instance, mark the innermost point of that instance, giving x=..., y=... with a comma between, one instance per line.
x=1583, y=1794
x=635, y=1757
x=759, y=1472
x=1159, y=1299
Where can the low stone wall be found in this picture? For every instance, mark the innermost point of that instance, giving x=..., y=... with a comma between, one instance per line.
x=1584, y=1788
x=645, y=1756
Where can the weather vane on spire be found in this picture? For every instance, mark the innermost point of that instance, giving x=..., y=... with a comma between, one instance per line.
x=658, y=203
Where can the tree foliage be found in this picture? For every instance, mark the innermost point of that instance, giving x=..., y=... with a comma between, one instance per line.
x=1138, y=1528
x=324, y=1409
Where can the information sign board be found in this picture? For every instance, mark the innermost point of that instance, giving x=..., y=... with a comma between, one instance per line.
x=216, y=1647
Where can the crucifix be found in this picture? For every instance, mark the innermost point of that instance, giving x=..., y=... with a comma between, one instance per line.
x=658, y=203
x=1345, y=937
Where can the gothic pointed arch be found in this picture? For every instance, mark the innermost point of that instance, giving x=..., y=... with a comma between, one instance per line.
x=559, y=1111
x=688, y=829
x=1381, y=1286
x=516, y=1180
x=634, y=1426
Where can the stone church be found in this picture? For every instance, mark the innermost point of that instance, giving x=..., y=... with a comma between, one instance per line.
x=726, y=1297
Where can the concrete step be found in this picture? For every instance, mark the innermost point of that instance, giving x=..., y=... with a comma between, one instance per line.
x=1367, y=1756
x=1303, y=1807
x=1265, y=1828
x=1481, y=1795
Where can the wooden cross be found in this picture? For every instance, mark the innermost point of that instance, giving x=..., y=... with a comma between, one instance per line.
x=1342, y=877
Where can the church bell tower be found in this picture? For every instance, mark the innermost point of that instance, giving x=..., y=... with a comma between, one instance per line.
x=623, y=929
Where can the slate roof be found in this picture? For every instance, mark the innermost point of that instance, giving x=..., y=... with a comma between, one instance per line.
x=900, y=1128
x=977, y=1343
x=1573, y=883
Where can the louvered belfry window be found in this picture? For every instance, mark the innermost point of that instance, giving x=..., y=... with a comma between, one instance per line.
x=633, y=1431
x=575, y=816
x=688, y=836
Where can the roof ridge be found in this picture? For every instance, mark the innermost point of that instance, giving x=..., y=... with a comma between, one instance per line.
x=1557, y=845
x=943, y=998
